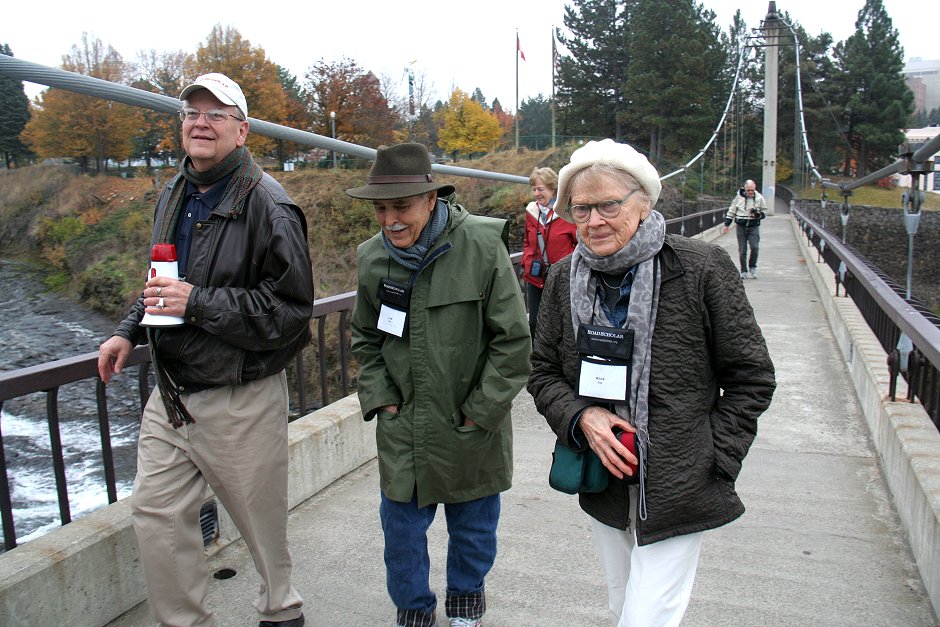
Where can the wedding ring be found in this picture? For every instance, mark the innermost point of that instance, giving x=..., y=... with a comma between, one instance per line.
x=160, y=304
x=159, y=290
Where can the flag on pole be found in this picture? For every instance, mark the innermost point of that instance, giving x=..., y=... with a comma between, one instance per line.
x=519, y=47
x=554, y=54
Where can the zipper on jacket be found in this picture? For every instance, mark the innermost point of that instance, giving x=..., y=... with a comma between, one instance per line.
x=437, y=252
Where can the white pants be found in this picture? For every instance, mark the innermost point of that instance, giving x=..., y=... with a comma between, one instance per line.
x=647, y=586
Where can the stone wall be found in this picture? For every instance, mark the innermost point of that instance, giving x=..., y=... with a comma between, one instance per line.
x=880, y=235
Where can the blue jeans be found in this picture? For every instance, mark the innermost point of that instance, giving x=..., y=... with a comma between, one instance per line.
x=471, y=549
x=748, y=236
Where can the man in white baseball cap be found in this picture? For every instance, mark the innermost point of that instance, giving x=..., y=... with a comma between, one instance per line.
x=222, y=87
x=219, y=414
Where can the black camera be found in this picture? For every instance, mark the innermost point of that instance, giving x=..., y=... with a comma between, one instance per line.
x=538, y=269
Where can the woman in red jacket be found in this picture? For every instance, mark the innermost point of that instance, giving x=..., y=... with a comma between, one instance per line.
x=547, y=239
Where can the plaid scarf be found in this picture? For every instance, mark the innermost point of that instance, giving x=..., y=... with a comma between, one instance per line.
x=247, y=174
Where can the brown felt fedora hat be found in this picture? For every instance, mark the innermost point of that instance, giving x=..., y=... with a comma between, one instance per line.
x=398, y=172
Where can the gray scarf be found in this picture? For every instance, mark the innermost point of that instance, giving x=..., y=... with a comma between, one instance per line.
x=412, y=256
x=640, y=251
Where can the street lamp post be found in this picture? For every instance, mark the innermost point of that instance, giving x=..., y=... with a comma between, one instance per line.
x=333, y=126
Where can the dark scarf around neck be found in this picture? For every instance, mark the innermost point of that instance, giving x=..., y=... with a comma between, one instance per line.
x=247, y=174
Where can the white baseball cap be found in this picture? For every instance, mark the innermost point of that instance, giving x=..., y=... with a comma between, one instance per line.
x=222, y=87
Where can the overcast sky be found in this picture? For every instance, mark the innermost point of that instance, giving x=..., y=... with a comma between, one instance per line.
x=454, y=44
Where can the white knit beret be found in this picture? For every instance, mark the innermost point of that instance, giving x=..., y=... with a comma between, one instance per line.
x=610, y=152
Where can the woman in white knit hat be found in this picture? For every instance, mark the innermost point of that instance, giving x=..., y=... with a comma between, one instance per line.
x=647, y=353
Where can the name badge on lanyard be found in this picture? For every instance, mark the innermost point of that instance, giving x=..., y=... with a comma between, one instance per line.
x=393, y=313
x=606, y=358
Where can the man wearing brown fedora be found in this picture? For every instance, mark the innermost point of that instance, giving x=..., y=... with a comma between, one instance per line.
x=441, y=335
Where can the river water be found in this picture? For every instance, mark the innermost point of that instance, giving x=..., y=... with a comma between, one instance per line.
x=37, y=327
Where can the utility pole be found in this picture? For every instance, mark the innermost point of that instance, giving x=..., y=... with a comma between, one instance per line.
x=771, y=27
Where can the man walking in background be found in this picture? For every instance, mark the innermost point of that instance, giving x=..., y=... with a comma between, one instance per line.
x=746, y=211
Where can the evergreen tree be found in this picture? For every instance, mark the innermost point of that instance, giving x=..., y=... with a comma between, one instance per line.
x=877, y=100
x=296, y=115
x=589, y=90
x=817, y=71
x=425, y=127
x=673, y=86
x=14, y=114
x=152, y=129
x=535, y=122
x=478, y=98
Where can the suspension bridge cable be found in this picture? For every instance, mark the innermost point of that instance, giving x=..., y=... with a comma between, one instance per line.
x=737, y=75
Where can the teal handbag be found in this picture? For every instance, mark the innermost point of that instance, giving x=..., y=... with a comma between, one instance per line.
x=576, y=471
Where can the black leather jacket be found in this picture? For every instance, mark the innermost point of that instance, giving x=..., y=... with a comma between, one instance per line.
x=249, y=311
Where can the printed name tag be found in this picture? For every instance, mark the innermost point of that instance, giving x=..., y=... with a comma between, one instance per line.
x=603, y=380
x=392, y=321
x=606, y=356
x=393, y=314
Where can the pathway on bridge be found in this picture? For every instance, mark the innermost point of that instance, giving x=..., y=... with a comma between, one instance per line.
x=820, y=543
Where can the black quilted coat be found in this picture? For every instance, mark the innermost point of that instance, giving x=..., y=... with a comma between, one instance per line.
x=711, y=377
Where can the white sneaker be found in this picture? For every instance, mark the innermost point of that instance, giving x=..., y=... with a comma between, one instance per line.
x=744, y=275
x=753, y=273
x=466, y=622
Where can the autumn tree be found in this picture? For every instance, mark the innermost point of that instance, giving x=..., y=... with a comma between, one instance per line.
x=507, y=122
x=465, y=127
x=225, y=51
x=876, y=100
x=86, y=128
x=14, y=113
x=363, y=114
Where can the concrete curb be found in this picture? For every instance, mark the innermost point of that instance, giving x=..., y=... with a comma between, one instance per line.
x=88, y=572
x=907, y=442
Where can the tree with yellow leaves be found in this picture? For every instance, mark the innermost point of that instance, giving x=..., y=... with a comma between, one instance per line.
x=465, y=127
x=85, y=128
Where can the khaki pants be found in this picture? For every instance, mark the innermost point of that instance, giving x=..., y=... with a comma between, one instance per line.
x=238, y=445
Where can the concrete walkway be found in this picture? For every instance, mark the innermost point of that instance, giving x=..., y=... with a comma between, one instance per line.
x=820, y=544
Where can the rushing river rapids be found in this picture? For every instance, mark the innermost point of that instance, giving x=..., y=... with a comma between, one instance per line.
x=38, y=327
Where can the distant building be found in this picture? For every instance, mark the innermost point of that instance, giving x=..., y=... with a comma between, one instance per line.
x=923, y=77
x=922, y=136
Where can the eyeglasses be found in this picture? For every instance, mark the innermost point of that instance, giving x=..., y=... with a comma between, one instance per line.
x=213, y=116
x=606, y=209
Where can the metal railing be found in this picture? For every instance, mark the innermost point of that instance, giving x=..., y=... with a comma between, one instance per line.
x=906, y=328
x=50, y=377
